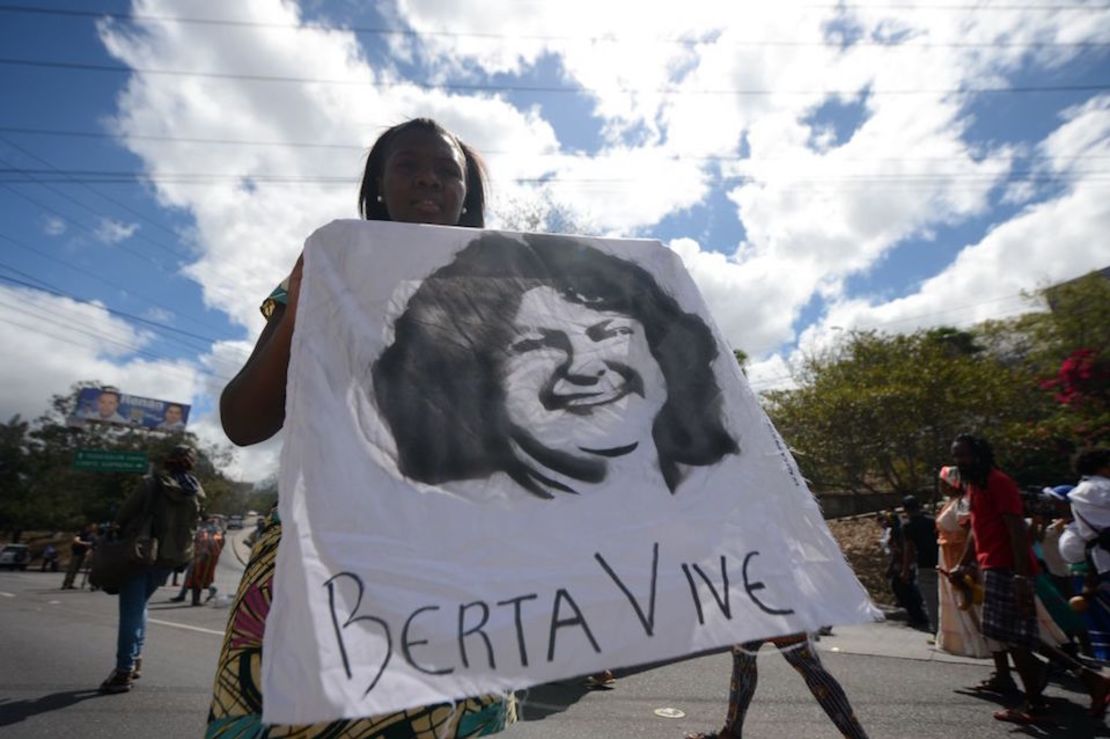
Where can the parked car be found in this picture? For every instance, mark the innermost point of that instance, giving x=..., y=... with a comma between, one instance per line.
x=234, y=522
x=15, y=556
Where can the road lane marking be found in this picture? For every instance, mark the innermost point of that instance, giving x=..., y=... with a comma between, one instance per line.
x=176, y=625
x=7, y=595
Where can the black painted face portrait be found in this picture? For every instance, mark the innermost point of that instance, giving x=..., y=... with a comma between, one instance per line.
x=577, y=380
x=543, y=357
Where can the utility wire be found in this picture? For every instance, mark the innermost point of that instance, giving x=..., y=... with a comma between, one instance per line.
x=104, y=280
x=551, y=89
x=122, y=246
x=52, y=175
x=138, y=214
x=489, y=152
x=68, y=325
x=58, y=292
x=15, y=175
x=687, y=41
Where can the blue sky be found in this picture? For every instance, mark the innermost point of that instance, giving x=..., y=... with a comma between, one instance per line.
x=818, y=167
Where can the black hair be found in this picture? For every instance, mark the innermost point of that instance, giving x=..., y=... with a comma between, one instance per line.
x=109, y=391
x=1089, y=461
x=982, y=453
x=438, y=385
x=474, y=205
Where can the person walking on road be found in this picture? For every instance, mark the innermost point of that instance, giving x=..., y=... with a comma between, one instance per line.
x=799, y=652
x=919, y=554
x=957, y=624
x=173, y=499
x=1087, y=539
x=80, y=547
x=208, y=545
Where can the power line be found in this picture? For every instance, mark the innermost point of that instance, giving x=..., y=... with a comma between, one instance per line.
x=48, y=209
x=550, y=89
x=96, y=192
x=1015, y=176
x=104, y=280
x=58, y=292
x=597, y=39
x=45, y=183
x=68, y=325
x=33, y=131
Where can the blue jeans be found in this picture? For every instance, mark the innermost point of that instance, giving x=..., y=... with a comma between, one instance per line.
x=133, y=596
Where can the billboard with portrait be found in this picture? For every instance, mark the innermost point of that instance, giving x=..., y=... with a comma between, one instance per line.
x=514, y=458
x=109, y=405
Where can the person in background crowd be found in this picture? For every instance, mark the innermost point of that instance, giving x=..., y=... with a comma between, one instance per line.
x=79, y=548
x=207, y=546
x=175, y=499
x=1049, y=534
x=901, y=572
x=1065, y=626
x=49, y=558
x=799, y=652
x=919, y=555
x=957, y=624
x=883, y=519
x=1087, y=539
x=1000, y=546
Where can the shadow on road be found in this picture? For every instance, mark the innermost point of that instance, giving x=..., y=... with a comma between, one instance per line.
x=1063, y=718
x=542, y=701
x=12, y=712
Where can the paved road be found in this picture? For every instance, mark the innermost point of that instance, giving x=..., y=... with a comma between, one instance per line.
x=56, y=646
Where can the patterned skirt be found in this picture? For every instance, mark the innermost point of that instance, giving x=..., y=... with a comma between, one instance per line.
x=1002, y=621
x=236, y=711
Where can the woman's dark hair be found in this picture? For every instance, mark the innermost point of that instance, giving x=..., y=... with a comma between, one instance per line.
x=439, y=384
x=474, y=215
x=983, y=454
x=1089, y=461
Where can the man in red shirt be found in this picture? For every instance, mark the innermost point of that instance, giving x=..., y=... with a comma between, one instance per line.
x=1005, y=557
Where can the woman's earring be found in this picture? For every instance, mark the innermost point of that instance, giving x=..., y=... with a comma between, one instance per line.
x=379, y=198
x=464, y=210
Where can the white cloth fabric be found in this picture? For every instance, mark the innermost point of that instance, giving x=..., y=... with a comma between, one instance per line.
x=569, y=540
x=1050, y=549
x=1090, y=505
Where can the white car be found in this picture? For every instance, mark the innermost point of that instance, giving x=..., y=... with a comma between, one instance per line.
x=15, y=555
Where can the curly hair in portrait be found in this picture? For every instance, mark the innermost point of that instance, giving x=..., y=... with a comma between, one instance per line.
x=439, y=385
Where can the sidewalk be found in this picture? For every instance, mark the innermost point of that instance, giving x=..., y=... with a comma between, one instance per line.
x=889, y=639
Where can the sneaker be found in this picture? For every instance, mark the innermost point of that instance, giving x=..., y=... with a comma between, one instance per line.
x=117, y=682
x=137, y=669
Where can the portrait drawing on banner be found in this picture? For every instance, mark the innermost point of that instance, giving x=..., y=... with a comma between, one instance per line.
x=548, y=360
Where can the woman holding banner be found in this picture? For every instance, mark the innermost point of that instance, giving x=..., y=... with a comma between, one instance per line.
x=416, y=172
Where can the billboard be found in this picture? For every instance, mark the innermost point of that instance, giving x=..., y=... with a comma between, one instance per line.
x=109, y=405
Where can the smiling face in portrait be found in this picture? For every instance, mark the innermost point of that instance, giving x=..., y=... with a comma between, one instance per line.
x=578, y=380
x=173, y=415
x=424, y=178
x=107, y=404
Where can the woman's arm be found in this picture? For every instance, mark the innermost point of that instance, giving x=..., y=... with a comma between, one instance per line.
x=252, y=406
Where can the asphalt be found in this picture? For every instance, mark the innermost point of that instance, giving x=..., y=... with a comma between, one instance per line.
x=56, y=646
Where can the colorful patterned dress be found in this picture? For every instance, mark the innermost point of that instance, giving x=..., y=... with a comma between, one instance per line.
x=236, y=710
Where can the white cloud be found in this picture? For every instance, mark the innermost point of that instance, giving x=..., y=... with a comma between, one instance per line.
x=1047, y=242
x=813, y=215
x=54, y=226
x=161, y=315
x=110, y=231
x=52, y=343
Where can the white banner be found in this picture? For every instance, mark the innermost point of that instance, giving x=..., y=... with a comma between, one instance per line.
x=513, y=458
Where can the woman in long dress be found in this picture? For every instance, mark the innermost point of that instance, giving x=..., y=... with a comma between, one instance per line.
x=957, y=630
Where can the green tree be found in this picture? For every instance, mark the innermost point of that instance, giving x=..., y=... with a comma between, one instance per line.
x=42, y=490
x=878, y=412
